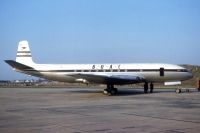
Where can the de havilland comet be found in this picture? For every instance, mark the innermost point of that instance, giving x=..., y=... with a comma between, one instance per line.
x=108, y=74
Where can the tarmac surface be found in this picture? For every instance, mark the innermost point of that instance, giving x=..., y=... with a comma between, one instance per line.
x=87, y=110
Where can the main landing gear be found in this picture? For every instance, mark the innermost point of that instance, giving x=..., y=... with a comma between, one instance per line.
x=146, y=87
x=110, y=90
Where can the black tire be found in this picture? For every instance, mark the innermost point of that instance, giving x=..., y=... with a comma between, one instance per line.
x=151, y=88
x=116, y=90
x=146, y=88
x=113, y=91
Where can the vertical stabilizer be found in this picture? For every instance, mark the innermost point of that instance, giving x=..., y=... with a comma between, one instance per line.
x=24, y=53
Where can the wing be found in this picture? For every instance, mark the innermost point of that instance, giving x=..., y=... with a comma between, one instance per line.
x=108, y=79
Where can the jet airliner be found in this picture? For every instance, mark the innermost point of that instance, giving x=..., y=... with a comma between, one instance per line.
x=108, y=74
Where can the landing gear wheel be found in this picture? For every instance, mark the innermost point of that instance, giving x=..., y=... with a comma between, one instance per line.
x=151, y=88
x=110, y=90
x=146, y=87
x=113, y=91
x=116, y=90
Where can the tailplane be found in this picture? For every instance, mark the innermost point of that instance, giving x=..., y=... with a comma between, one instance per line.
x=24, y=53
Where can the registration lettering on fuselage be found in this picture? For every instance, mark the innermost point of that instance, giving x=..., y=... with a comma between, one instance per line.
x=105, y=67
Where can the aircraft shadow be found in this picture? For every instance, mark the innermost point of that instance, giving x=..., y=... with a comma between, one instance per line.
x=123, y=92
x=133, y=91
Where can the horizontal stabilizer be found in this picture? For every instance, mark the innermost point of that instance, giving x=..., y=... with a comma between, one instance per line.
x=17, y=65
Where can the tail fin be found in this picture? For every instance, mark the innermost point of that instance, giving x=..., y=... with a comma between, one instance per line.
x=24, y=53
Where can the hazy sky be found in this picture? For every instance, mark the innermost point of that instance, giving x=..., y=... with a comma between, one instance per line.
x=100, y=31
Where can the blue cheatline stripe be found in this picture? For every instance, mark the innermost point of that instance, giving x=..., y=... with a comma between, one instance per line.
x=24, y=56
x=117, y=70
x=23, y=51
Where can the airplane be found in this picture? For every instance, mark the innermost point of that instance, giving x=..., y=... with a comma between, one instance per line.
x=108, y=74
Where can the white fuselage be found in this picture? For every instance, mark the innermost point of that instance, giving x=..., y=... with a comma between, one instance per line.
x=150, y=72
